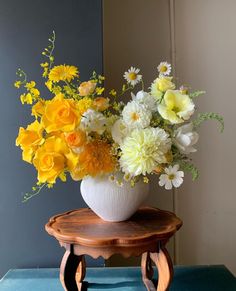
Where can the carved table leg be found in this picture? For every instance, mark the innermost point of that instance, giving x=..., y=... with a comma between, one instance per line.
x=72, y=271
x=147, y=271
x=164, y=266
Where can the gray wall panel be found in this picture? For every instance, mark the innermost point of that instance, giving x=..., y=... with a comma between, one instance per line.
x=24, y=29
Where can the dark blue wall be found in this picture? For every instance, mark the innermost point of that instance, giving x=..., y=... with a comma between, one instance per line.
x=24, y=30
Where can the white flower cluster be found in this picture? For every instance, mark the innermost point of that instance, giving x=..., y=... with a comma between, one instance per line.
x=151, y=130
x=145, y=146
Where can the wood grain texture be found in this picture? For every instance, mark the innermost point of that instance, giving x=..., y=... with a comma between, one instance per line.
x=146, y=233
x=85, y=228
x=72, y=271
x=164, y=266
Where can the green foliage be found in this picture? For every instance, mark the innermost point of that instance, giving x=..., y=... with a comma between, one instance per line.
x=207, y=116
x=196, y=94
x=35, y=191
x=189, y=167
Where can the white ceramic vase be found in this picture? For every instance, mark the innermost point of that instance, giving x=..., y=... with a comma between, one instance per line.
x=110, y=201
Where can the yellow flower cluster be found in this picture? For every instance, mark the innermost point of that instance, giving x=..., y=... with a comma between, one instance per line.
x=32, y=93
x=51, y=143
x=54, y=143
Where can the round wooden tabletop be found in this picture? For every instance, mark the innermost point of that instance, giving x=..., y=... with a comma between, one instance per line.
x=85, y=228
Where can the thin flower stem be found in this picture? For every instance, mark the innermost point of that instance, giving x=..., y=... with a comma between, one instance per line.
x=27, y=196
x=52, y=49
x=142, y=83
x=127, y=89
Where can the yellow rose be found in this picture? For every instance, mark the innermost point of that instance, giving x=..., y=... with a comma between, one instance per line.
x=161, y=85
x=29, y=139
x=52, y=158
x=86, y=88
x=38, y=108
x=60, y=114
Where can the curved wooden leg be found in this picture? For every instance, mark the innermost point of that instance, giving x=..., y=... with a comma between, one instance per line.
x=72, y=271
x=147, y=271
x=165, y=268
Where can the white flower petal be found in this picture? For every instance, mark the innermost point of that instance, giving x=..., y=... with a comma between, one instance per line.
x=179, y=174
x=175, y=168
x=168, y=185
x=177, y=182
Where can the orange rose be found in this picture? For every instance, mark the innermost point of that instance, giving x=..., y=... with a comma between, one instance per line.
x=86, y=88
x=75, y=138
x=101, y=103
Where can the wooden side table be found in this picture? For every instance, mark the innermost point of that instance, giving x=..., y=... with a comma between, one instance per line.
x=81, y=232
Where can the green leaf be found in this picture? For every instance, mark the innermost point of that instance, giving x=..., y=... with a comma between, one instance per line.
x=189, y=167
x=207, y=116
x=196, y=94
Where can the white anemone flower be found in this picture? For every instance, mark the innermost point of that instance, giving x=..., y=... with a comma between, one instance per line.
x=132, y=77
x=164, y=68
x=185, y=138
x=136, y=115
x=93, y=121
x=146, y=99
x=172, y=177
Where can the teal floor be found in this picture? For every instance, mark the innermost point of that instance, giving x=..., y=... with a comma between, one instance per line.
x=210, y=278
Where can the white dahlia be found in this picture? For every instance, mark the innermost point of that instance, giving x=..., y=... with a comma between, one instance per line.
x=93, y=121
x=146, y=99
x=143, y=150
x=136, y=115
x=119, y=131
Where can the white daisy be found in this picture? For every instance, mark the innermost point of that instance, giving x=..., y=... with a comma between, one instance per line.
x=132, y=77
x=112, y=178
x=164, y=68
x=172, y=177
x=136, y=115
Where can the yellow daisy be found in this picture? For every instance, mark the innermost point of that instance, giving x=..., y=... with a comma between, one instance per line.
x=63, y=73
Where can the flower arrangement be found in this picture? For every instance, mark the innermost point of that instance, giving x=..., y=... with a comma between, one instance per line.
x=80, y=132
